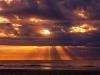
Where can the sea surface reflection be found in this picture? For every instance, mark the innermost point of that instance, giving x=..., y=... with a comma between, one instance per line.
x=49, y=57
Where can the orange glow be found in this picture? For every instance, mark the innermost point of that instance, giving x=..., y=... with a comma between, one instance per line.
x=61, y=52
x=8, y=1
x=1, y=9
x=81, y=13
x=4, y=20
x=3, y=33
x=33, y=53
x=36, y=20
x=25, y=53
x=45, y=32
x=82, y=28
x=6, y=33
x=16, y=26
x=17, y=17
x=12, y=35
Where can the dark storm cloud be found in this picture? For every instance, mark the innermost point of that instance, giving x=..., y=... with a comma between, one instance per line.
x=90, y=6
x=55, y=9
x=43, y=8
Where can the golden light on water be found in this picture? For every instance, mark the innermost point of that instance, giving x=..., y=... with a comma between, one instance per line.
x=4, y=20
x=82, y=28
x=33, y=53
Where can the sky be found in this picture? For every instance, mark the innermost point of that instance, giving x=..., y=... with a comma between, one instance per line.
x=56, y=9
x=67, y=12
